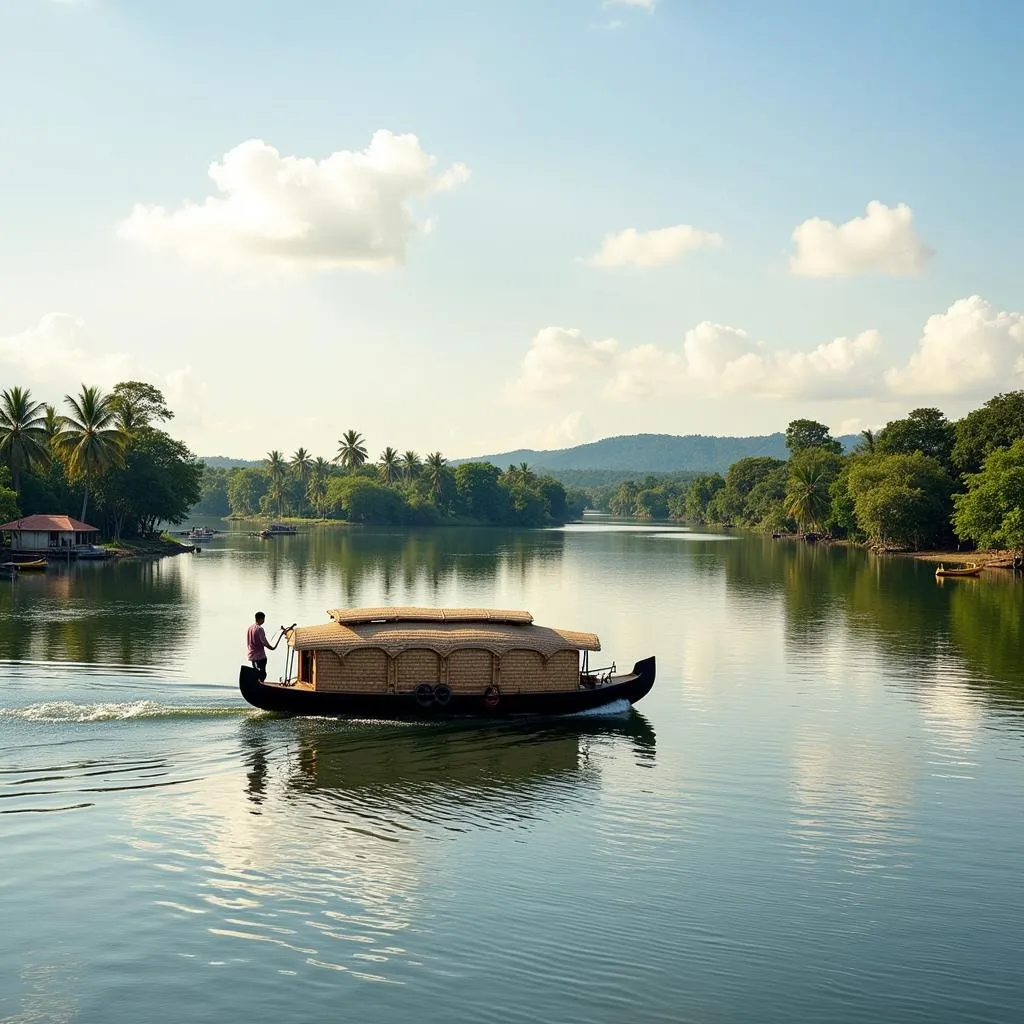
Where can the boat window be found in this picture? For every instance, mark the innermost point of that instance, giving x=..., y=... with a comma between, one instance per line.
x=305, y=666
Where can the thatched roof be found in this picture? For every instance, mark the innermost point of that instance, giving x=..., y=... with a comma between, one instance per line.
x=442, y=630
x=353, y=616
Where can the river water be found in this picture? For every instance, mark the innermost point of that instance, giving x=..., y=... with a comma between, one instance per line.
x=815, y=815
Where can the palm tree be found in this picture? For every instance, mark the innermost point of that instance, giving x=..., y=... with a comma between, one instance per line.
x=387, y=465
x=53, y=424
x=301, y=465
x=23, y=440
x=435, y=465
x=866, y=445
x=91, y=442
x=316, y=490
x=807, y=495
x=351, y=450
x=130, y=417
x=410, y=465
x=276, y=470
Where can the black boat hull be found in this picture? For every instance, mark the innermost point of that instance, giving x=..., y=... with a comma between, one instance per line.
x=292, y=700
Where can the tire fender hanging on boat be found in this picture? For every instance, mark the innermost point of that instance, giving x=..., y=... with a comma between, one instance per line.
x=442, y=693
x=424, y=694
x=492, y=697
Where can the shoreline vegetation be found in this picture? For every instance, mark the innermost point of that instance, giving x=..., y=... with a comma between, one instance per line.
x=950, y=490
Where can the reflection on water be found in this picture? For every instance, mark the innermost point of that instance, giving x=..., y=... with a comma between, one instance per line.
x=827, y=826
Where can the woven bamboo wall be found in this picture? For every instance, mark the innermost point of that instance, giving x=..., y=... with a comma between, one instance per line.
x=470, y=671
x=415, y=667
x=528, y=672
x=359, y=672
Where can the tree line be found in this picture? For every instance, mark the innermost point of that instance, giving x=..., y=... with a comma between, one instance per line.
x=105, y=452
x=920, y=481
x=400, y=488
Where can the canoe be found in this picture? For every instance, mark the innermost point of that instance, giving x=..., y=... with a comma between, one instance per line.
x=971, y=569
x=34, y=565
x=410, y=663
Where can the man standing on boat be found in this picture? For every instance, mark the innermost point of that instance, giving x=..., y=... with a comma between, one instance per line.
x=259, y=645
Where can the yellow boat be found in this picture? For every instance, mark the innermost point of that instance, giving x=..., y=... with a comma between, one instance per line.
x=970, y=569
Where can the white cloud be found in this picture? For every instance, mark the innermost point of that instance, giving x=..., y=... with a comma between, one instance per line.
x=721, y=360
x=652, y=248
x=883, y=241
x=573, y=429
x=971, y=349
x=644, y=5
x=351, y=209
x=557, y=358
x=59, y=355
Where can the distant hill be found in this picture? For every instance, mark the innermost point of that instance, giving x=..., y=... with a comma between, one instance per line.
x=651, y=453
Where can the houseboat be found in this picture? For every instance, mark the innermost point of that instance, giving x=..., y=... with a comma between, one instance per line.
x=441, y=662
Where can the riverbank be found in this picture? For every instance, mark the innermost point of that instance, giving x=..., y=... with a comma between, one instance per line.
x=986, y=559
x=149, y=547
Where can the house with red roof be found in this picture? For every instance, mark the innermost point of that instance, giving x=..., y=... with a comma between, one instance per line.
x=45, y=534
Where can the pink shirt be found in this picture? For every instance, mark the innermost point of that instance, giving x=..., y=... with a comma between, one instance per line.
x=257, y=641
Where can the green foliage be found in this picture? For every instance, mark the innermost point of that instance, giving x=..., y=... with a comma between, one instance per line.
x=351, y=450
x=698, y=497
x=8, y=498
x=137, y=404
x=479, y=494
x=246, y=490
x=91, y=442
x=991, y=513
x=24, y=443
x=997, y=424
x=924, y=430
x=804, y=434
x=901, y=500
x=810, y=476
x=157, y=480
x=361, y=500
x=213, y=496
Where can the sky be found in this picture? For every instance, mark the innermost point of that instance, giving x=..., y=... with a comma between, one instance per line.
x=478, y=225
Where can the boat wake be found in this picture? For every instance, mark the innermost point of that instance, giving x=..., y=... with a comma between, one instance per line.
x=616, y=709
x=57, y=711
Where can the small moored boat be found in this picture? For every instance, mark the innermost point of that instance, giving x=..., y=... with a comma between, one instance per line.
x=970, y=569
x=441, y=662
x=29, y=565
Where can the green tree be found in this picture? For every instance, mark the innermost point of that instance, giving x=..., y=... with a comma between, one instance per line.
x=138, y=404
x=91, y=442
x=803, y=434
x=807, y=499
x=435, y=467
x=901, y=500
x=866, y=444
x=9, y=510
x=411, y=465
x=157, y=480
x=246, y=490
x=277, y=473
x=479, y=493
x=997, y=424
x=351, y=450
x=23, y=441
x=699, y=495
x=387, y=465
x=361, y=500
x=923, y=430
x=991, y=512
x=316, y=489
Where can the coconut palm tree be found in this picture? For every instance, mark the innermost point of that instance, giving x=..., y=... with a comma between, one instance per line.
x=387, y=465
x=410, y=465
x=301, y=465
x=91, y=441
x=807, y=495
x=866, y=445
x=277, y=470
x=130, y=417
x=351, y=450
x=53, y=424
x=435, y=465
x=23, y=441
x=316, y=489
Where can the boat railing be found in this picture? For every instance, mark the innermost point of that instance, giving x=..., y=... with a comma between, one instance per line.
x=597, y=676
